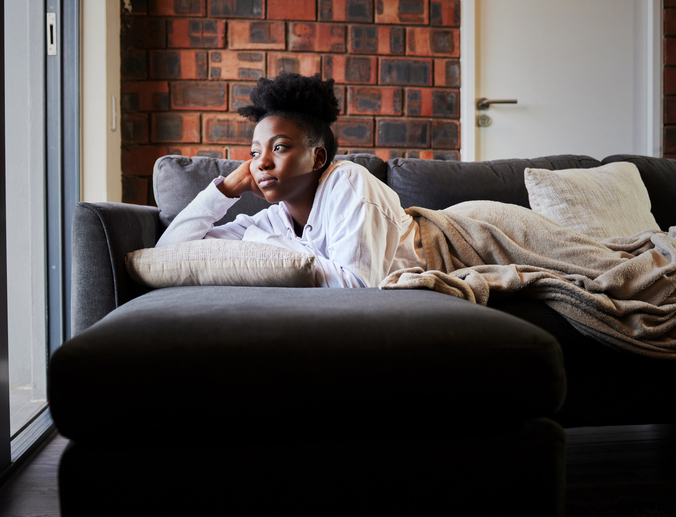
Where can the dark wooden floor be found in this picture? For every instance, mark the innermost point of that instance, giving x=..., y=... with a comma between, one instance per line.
x=611, y=472
x=32, y=491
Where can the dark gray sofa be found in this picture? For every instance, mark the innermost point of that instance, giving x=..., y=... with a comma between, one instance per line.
x=276, y=401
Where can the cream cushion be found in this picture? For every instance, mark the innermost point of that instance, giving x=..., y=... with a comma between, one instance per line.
x=602, y=202
x=221, y=262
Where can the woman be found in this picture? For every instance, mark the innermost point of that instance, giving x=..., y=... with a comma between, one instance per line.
x=352, y=222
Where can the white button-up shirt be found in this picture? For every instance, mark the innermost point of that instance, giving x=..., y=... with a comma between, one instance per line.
x=357, y=229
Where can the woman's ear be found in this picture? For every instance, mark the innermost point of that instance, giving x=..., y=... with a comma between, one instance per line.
x=320, y=157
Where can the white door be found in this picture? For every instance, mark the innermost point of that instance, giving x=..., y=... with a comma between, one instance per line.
x=581, y=71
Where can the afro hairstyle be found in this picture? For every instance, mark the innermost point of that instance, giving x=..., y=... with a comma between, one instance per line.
x=310, y=102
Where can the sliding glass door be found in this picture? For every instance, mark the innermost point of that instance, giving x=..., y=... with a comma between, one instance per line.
x=42, y=186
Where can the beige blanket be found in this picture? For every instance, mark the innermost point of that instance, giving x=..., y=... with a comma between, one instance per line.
x=621, y=291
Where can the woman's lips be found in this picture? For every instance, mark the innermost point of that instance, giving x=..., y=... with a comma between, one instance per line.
x=266, y=180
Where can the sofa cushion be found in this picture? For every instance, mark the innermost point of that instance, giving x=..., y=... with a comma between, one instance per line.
x=220, y=262
x=178, y=179
x=601, y=202
x=659, y=178
x=252, y=363
x=438, y=184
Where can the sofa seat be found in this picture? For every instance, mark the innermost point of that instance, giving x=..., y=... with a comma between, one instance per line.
x=272, y=401
x=309, y=363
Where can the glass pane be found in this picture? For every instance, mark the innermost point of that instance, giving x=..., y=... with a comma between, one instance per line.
x=25, y=128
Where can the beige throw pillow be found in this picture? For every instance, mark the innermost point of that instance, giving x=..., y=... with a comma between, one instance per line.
x=221, y=262
x=602, y=202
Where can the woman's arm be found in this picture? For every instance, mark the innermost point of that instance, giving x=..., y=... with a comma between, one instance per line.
x=196, y=221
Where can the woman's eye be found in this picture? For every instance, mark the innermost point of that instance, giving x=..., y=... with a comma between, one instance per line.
x=279, y=147
x=253, y=154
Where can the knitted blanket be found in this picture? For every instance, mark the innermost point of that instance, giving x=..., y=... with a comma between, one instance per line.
x=620, y=291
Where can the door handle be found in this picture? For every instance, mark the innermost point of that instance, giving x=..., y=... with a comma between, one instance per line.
x=483, y=103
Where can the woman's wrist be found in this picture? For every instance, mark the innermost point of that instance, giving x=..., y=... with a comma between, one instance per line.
x=228, y=189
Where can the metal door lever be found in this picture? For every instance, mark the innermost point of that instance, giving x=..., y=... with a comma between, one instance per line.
x=483, y=103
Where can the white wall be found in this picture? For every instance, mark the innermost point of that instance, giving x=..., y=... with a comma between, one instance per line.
x=100, y=69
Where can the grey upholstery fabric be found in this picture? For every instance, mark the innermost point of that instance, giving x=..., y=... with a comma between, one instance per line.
x=659, y=177
x=178, y=179
x=438, y=184
x=102, y=234
x=308, y=363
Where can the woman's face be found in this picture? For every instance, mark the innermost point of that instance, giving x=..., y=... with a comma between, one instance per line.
x=284, y=166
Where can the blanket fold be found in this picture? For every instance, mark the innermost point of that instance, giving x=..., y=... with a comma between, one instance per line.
x=620, y=291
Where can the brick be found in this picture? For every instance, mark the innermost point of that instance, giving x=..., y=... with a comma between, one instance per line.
x=447, y=73
x=376, y=40
x=145, y=96
x=142, y=32
x=316, y=37
x=134, y=128
x=199, y=95
x=669, y=22
x=403, y=133
x=178, y=64
x=192, y=33
x=445, y=134
x=139, y=160
x=669, y=140
x=227, y=128
x=354, y=131
x=240, y=95
x=135, y=190
x=670, y=51
x=402, y=12
x=175, y=127
x=243, y=65
x=670, y=110
x=134, y=7
x=198, y=150
x=388, y=154
x=292, y=9
x=251, y=35
x=237, y=8
x=176, y=8
x=304, y=64
x=670, y=81
x=432, y=42
x=239, y=153
x=406, y=72
x=134, y=64
x=339, y=92
x=350, y=69
x=365, y=100
x=437, y=155
x=346, y=11
x=445, y=13
x=428, y=102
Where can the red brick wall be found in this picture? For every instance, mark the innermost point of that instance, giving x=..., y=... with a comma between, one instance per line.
x=669, y=107
x=188, y=64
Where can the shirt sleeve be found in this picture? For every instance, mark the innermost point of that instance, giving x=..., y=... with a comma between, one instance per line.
x=196, y=221
x=362, y=235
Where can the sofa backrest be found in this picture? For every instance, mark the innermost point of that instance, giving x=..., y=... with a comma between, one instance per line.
x=434, y=184
x=659, y=177
x=178, y=179
x=438, y=184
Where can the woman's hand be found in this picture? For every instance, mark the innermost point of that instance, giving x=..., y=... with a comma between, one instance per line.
x=239, y=181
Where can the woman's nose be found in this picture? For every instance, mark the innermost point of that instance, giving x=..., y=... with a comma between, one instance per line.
x=265, y=162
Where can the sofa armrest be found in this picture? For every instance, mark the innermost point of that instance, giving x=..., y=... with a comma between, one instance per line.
x=102, y=234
